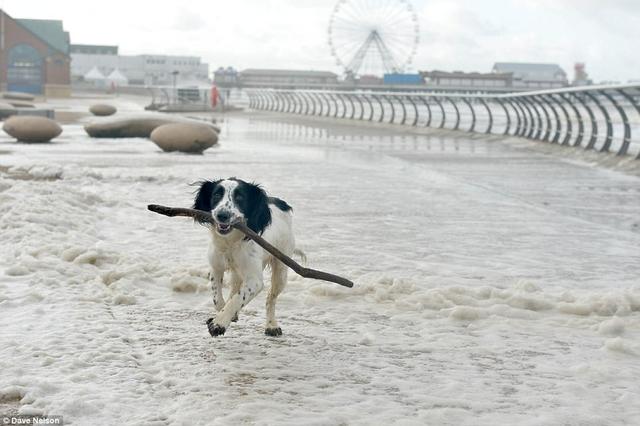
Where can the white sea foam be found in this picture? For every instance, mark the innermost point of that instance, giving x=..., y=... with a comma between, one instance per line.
x=475, y=302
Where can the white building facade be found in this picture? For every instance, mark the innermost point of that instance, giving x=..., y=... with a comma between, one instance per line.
x=533, y=76
x=148, y=70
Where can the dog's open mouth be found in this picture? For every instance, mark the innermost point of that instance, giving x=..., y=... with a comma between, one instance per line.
x=223, y=228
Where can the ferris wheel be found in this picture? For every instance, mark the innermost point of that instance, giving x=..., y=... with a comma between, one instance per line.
x=372, y=37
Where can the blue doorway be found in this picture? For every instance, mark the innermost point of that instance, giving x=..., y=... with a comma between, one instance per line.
x=25, y=70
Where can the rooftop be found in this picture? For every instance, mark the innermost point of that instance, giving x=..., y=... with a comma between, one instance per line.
x=94, y=49
x=472, y=75
x=526, y=66
x=50, y=31
x=532, y=71
x=280, y=72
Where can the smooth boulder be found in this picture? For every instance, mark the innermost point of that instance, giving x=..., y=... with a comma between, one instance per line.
x=102, y=110
x=22, y=104
x=31, y=128
x=135, y=127
x=7, y=110
x=18, y=96
x=192, y=138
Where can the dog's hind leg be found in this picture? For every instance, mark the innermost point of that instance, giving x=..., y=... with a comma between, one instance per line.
x=278, y=281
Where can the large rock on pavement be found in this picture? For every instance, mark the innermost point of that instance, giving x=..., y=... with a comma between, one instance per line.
x=6, y=110
x=193, y=138
x=102, y=110
x=18, y=96
x=32, y=129
x=22, y=104
x=136, y=127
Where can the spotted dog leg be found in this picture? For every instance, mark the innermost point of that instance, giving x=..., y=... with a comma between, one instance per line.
x=236, y=282
x=248, y=290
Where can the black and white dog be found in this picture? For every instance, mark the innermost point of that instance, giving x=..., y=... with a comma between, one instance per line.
x=230, y=200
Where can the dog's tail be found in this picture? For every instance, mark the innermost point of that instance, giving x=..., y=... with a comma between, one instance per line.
x=301, y=254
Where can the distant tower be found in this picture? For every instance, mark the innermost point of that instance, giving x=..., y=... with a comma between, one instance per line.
x=580, y=76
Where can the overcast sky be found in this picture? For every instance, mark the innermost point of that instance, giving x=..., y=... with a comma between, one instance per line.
x=467, y=35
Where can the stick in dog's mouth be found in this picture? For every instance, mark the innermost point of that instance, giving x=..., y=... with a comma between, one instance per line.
x=205, y=217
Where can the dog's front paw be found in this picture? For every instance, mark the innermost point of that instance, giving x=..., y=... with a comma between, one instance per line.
x=274, y=331
x=235, y=318
x=215, y=329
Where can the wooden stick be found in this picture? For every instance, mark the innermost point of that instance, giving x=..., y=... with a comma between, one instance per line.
x=205, y=217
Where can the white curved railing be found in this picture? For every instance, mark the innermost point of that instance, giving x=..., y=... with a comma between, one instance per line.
x=601, y=118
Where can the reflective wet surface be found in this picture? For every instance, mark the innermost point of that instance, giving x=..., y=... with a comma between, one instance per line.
x=492, y=282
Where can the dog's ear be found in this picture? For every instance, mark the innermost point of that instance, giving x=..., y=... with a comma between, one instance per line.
x=204, y=194
x=259, y=216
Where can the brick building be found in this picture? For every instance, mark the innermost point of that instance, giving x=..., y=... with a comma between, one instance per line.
x=34, y=56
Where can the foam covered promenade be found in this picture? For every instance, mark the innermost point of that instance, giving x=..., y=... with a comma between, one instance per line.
x=495, y=283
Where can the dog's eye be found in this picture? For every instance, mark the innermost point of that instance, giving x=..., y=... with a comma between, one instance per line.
x=239, y=197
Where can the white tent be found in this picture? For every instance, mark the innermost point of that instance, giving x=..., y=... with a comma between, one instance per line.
x=117, y=78
x=94, y=74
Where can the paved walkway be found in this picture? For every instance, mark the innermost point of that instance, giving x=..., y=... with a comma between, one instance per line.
x=494, y=284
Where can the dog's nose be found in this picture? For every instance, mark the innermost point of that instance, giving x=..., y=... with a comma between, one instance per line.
x=223, y=216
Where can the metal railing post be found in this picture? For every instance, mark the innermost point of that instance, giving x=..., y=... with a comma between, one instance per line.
x=633, y=103
x=626, y=140
x=404, y=110
x=416, y=114
x=580, y=135
x=567, y=137
x=366, y=98
x=594, y=124
x=251, y=99
x=506, y=113
x=547, y=128
x=426, y=103
x=456, y=126
x=393, y=110
x=516, y=132
x=607, y=119
x=291, y=102
x=536, y=128
x=444, y=115
x=489, y=114
x=531, y=127
x=473, y=114
x=327, y=100
x=256, y=101
x=306, y=103
x=557, y=124
x=381, y=108
x=320, y=100
x=353, y=106
x=525, y=121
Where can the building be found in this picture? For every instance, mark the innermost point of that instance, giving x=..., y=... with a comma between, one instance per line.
x=580, y=76
x=530, y=76
x=225, y=77
x=148, y=70
x=94, y=49
x=458, y=80
x=287, y=79
x=34, y=56
x=398, y=78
